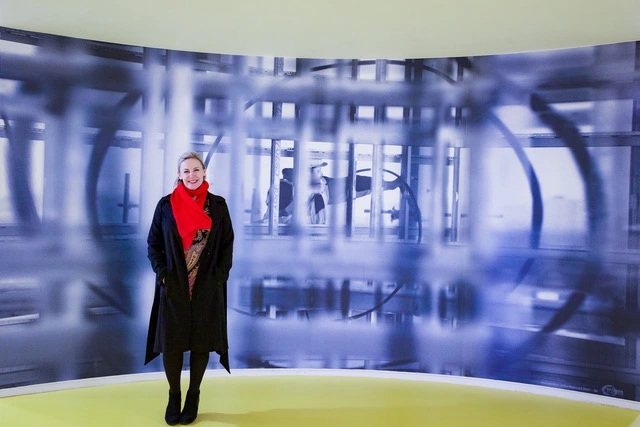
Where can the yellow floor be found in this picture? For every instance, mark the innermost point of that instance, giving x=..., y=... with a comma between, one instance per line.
x=309, y=401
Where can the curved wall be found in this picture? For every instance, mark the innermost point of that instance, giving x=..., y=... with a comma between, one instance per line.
x=504, y=231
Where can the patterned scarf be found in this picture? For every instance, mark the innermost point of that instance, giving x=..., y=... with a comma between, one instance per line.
x=191, y=210
x=188, y=209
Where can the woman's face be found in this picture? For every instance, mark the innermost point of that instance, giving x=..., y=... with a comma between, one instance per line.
x=191, y=173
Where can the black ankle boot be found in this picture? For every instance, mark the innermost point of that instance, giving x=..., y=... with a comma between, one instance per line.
x=172, y=414
x=190, y=411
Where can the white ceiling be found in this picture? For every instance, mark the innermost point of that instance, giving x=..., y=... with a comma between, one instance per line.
x=335, y=28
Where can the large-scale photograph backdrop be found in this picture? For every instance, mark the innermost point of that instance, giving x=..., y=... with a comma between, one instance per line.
x=470, y=216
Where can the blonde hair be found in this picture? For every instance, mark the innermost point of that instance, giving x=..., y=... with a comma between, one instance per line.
x=190, y=155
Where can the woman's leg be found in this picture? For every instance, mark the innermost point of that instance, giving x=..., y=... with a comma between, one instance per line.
x=172, y=368
x=198, y=362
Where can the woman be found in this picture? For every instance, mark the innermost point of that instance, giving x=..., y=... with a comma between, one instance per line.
x=190, y=246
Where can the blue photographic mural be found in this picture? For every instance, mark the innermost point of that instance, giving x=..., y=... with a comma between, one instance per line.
x=475, y=216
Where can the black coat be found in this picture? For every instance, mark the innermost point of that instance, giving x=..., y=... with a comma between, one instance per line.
x=177, y=324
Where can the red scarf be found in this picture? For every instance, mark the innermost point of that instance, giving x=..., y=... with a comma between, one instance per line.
x=188, y=209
